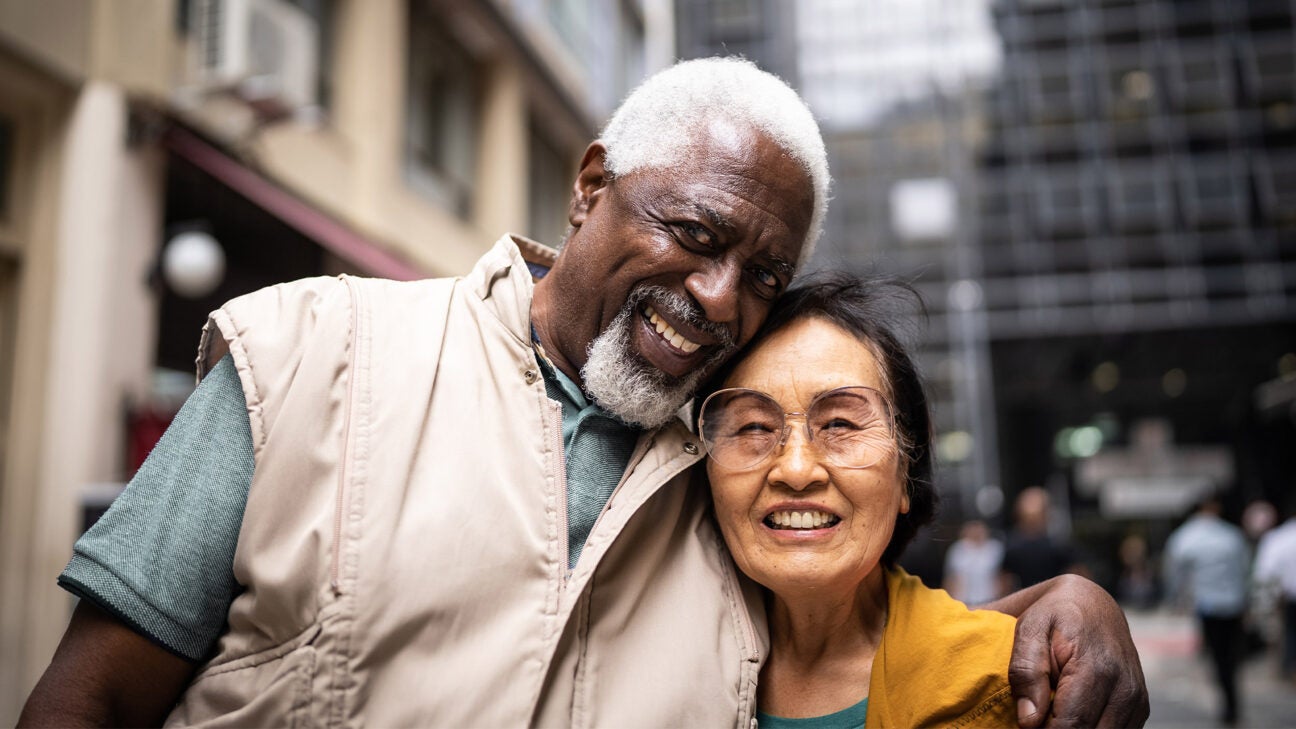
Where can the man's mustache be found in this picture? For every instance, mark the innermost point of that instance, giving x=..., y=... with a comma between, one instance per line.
x=682, y=309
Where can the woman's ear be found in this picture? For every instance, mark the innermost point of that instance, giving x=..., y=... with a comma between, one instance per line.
x=591, y=180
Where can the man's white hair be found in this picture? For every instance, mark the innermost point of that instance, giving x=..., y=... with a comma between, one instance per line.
x=657, y=125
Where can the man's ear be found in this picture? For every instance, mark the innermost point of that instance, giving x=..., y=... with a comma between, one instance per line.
x=590, y=181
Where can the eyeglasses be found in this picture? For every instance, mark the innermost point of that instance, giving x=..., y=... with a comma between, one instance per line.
x=850, y=427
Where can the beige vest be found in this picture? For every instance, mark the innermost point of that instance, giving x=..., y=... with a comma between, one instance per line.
x=404, y=545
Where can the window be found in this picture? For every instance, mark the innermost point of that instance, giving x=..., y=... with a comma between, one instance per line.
x=606, y=39
x=924, y=209
x=735, y=19
x=547, y=184
x=444, y=113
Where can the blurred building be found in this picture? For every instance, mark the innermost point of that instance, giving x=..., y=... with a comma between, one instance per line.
x=1096, y=198
x=1138, y=238
x=159, y=156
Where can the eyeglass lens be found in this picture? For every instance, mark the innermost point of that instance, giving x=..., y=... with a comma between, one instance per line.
x=850, y=427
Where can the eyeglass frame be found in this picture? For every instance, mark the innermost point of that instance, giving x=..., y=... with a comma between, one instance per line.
x=805, y=419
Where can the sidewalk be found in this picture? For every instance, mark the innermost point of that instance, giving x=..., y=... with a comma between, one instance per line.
x=1182, y=685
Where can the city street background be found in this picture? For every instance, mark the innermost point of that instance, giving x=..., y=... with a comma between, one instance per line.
x=1182, y=689
x=1096, y=198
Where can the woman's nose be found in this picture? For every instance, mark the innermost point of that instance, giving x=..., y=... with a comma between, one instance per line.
x=797, y=462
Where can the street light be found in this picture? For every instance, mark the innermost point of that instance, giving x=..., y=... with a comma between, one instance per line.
x=193, y=264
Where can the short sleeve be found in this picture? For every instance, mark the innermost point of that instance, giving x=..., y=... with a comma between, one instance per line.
x=161, y=558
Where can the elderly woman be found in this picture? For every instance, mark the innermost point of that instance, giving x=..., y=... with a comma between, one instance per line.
x=820, y=464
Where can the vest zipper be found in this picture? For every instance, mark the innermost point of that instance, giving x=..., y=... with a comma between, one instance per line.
x=553, y=424
x=635, y=458
x=335, y=569
x=641, y=450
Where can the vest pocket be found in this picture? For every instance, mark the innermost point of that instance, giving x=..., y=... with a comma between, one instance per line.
x=270, y=688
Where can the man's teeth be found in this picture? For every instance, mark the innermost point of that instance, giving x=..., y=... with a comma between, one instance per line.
x=801, y=519
x=667, y=332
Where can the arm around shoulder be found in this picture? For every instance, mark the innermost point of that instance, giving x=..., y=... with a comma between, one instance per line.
x=1073, y=636
x=105, y=674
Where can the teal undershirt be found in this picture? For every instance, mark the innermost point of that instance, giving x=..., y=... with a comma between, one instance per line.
x=161, y=558
x=849, y=718
x=597, y=447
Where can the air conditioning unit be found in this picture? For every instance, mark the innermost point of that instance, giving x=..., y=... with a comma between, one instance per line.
x=267, y=51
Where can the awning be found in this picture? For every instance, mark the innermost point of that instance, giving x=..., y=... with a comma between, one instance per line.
x=292, y=210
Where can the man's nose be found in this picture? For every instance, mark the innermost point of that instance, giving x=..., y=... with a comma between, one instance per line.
x=797, y=462
x=715, y=288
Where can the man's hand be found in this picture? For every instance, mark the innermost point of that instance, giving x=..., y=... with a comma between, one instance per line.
x=1072, y=639
x=105, y=674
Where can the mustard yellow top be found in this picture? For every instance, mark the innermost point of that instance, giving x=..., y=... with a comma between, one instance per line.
x=939, y=663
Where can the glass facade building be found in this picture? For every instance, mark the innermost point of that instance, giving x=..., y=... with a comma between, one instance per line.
x=1097, y=200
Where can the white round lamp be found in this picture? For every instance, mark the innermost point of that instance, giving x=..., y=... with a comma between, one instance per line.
x=193, y=264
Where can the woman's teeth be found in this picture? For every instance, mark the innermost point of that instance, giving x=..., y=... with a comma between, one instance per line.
x=667, y=332
x=801, y=519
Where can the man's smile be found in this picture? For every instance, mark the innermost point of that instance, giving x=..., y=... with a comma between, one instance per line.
x=672, y=338
x=668, y=333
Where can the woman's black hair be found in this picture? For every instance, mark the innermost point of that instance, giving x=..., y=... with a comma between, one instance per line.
x=872, y=310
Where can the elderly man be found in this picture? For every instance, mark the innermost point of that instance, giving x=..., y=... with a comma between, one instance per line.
x=469, y=499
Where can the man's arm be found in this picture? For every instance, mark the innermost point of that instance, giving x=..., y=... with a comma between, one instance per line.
x=105, y=674
x=1072, y=641
x=108, y=670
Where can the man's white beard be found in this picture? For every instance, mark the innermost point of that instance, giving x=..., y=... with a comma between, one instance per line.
x=621, y=382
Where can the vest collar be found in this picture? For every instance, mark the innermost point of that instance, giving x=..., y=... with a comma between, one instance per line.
x=504, y=279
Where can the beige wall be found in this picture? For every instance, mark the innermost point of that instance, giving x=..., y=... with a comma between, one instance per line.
x=85, y=235
x=54, y=34
x=38, y=107
x=129, y=42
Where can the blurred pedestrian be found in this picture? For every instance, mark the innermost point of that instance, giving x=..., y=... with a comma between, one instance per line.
x=1137, y=585
x=1275, y=566
x=1258, y=518
x=1032, y=554
x=972, y=565
x=1206, y=563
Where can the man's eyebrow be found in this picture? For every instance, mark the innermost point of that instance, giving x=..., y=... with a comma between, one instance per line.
x=715, y=218
x=782, y=266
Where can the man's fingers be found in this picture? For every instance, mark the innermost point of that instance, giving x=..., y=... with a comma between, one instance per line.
x=1129, y=705
x=1074, y=639
x=1084, y=691
x=1028, y=672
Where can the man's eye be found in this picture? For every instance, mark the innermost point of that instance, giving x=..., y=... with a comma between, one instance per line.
x=766, y=277
x=699, y=235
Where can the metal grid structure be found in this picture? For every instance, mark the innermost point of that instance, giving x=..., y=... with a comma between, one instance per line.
x=760, y=30
x=1140, y=170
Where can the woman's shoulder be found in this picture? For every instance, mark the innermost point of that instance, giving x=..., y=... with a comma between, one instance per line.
x=915, y=607
x=941, y=663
